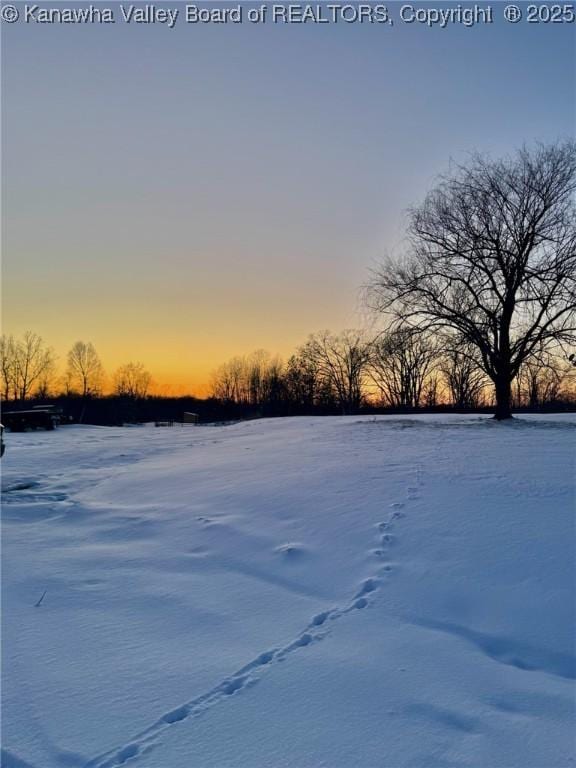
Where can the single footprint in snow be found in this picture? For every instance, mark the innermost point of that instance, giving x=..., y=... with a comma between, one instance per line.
x=387, y=539
x=370, y=585
x=231, y=686
x=129, y=751
x=265, y=658
x=303, y=640
x=397, y=505
x=318, y=620
x=361, y=603
x=176, y=715
x=383, y=526
x=397, y=515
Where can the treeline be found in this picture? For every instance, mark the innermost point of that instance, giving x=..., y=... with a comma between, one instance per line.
x=345, y=373
x=400, y=369
x=28, y=369
x=30, y=376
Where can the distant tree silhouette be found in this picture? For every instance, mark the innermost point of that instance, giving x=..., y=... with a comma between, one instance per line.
x=493, y=259
x=401, y=363
x=132, y=380
x=254, y=380
x=305, y=387
x=462, y=376
x=24, y=364
x=541, y=378
x=8, y=367
x=85, y=370
x=227, y=381
x=341, y=361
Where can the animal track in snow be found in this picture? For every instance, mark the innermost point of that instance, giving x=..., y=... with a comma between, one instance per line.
x=251, y=672
x=247, y=676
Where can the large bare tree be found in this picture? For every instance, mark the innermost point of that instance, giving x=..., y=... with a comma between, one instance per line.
x=492, y=257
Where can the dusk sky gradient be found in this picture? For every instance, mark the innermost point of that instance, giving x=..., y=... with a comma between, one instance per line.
x=181, y=196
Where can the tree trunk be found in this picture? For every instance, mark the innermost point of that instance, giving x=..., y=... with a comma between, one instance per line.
x=503, y=390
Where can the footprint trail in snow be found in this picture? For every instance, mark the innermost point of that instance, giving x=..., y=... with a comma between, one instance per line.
x=248, y=675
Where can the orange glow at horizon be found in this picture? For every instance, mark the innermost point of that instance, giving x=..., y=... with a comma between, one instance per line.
x=179, y=346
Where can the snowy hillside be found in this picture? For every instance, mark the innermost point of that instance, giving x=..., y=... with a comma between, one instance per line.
x=292, y=593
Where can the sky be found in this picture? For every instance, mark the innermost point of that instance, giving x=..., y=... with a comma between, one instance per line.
x=180, y=196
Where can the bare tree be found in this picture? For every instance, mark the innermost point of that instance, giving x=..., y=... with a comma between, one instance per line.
x=132, y=380
x=273, y=390
x=85, y=370
x=260, y=373
x=45, y=387
x=462, y=375
x=24, y=365
x=401, y=362
x=431, y=390
x=305, y=387
x=493, y=259
x=253, y=380
x=227, y=381
x=8, y=367
x=541, y=377
x=342, y=361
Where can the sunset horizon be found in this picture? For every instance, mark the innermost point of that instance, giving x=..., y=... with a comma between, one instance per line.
x=201, y=192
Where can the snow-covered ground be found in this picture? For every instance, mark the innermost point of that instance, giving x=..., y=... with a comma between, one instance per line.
x=293, y=593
